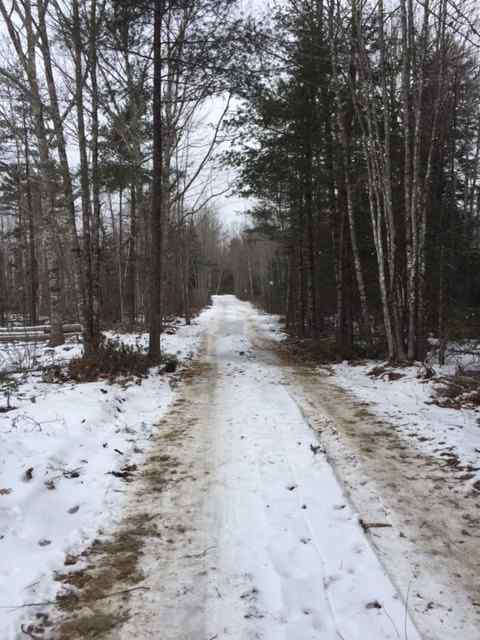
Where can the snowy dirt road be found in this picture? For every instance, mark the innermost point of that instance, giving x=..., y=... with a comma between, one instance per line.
x=238, y=528
x=432, y=547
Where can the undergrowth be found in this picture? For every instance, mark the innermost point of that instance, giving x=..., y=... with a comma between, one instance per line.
x=458, y=392
x=113, y=359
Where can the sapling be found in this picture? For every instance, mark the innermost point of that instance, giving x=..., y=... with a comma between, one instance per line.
x=8, y=386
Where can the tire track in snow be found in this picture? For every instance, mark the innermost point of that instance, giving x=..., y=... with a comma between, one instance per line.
x=386, y=475
x=237, y=557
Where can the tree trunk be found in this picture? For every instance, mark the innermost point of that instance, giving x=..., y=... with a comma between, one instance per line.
x=308, y=186
x=132, y=259
x=69, y=200
x=48, y=190
x=32, y=236
x=95, y=179
x=158, y=199
x=90, y=328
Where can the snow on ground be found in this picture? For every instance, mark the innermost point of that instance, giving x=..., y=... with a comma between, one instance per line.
x=275, y=550
x=408, y=404
x=290, y=547
x=57, y=451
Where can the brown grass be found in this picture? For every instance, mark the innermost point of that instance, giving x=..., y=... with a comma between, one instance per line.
x=113, y=564
x=385, y=372
x=458, y=392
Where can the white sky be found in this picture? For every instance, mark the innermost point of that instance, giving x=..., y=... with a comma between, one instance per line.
x=231, y=208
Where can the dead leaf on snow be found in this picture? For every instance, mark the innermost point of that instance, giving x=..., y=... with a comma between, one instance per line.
x=44, y=542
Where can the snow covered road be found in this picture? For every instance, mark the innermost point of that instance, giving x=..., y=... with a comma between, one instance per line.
x=250, y=534
x=404, y=475
x=292, y=561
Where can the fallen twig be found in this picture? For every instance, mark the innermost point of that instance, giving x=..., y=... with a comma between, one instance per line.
x=372, y=525
x=13, y=607
x=50, y=603
x=123, y=592
x=200, y=555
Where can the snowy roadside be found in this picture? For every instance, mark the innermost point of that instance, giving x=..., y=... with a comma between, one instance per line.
x=250, y=534
x=61, y=452
x=449, y=434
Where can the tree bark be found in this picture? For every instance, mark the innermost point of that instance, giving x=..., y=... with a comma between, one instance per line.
x=158, y=196
x=90, y=328
x=32, y=234
x=58, y=124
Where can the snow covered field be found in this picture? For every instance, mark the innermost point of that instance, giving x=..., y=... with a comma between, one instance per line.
x=58, y=450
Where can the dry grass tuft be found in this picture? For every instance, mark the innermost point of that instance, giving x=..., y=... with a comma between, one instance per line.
x=458, y=392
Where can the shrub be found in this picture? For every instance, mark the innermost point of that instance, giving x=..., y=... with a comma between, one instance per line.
x=457, y=392
x=170, y=363
x=8, y=386
x=113, y=359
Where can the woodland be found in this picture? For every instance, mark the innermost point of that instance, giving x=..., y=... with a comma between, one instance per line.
x=263, y=430
x=360, y=142
x=353, y=128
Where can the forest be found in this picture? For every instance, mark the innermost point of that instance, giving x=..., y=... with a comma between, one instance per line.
x=239, y=319
x=352, y=127
x=360, y=143
x=107, y=195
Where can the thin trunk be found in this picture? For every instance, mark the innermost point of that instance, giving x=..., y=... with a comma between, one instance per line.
x=407, y=45
x=90, y=334
x=58, y=124
x=48, y=190
x=442, y=307
x=367, y=328
x=132, y=258
x=310, y=238
x=95, y=179
x=426, y=186
x=32, y=235
x=290, y=297
x=186, y=275
x=385, y=160
x=158, y=196
x=378, y=180
x=118, y=250
x=250, y=275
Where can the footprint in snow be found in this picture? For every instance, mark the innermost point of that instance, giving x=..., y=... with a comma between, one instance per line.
x=250, y=595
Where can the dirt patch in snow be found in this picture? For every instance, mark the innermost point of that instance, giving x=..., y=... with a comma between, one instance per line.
x=432, y=546
x=112, y=569
x=94, y=599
